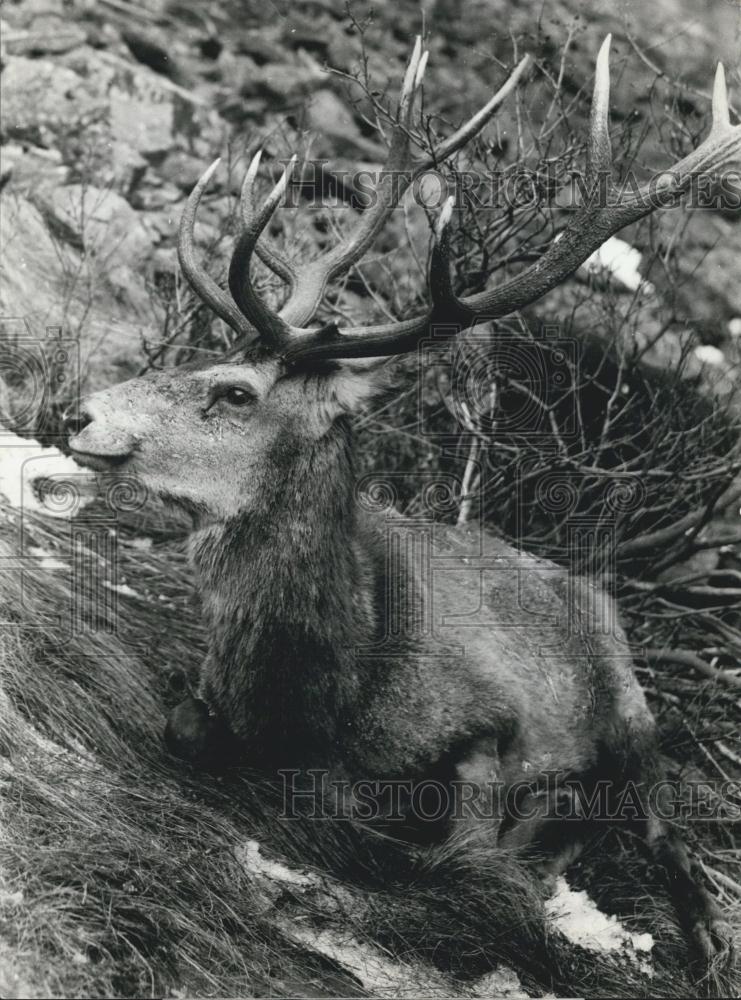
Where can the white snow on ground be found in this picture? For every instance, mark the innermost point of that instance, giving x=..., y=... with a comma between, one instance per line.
x=621, y=261
x=23, y=462
x=570, y=911
x=709, y=355
x=251, y=857
x=380, y=973
x=583, y=923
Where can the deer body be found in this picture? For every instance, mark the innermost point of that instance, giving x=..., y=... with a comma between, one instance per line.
x=350, y=640
x=300, y=669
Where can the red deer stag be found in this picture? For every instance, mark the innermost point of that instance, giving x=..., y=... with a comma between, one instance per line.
x=306, y=668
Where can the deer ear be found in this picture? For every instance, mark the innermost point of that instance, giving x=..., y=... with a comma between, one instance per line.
x=355, y=383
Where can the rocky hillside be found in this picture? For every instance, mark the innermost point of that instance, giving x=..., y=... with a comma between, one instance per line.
x=112, y=109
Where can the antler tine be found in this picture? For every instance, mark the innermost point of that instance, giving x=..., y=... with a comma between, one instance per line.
x=246, y=199
x=441, y=286
x=199, y=279
x=721, y=111
x=412, y=79
x=267, y=253
x=421, y=69
x=313, y=279
x=720, y=149
x=373, y=342
x=475, y=123
x=269, y=324
x=592, y=224
x=599, y=153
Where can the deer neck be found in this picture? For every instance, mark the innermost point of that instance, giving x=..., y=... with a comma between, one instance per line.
x=288, y=591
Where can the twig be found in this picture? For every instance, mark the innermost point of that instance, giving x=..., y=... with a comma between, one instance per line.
x=660, y=538
x=722, y=748
x=471, y=478
x=664, y=76
x=725, y=880
x=688, y=659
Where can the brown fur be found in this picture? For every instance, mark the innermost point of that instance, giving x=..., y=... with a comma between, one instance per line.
x=521, y=671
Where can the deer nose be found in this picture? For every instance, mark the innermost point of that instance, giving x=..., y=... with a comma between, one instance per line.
x=76, y=419
x=95, y=437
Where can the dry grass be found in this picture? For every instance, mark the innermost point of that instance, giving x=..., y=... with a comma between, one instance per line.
x=120, y=867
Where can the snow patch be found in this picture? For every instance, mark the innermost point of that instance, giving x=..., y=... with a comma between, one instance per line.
x=709, y=355
x=379, y=974
x=621, y=261
x=251, y=857
x=24, y=463
x=581, y=921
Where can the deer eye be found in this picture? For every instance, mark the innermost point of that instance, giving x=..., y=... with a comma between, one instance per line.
x=235, y=395
x=232, y=395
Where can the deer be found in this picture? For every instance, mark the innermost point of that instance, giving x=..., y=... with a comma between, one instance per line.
x=307, y=664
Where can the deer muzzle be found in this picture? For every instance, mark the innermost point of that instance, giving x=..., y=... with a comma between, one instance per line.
x=96, y=442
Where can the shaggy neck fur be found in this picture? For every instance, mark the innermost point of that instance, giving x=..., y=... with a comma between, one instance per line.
x=288, y=595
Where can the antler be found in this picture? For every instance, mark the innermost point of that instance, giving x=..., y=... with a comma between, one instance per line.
x=200, y=280
x=307, y=284
x=602, y=213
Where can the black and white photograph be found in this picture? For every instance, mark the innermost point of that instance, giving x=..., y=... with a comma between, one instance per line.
x=370, y=499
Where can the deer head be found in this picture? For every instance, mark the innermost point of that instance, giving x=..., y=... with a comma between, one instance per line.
x=211, y=437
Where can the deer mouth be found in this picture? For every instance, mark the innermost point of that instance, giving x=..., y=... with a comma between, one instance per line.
x=100, y=462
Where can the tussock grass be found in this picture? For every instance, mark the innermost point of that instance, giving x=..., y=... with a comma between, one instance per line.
x=123, y=882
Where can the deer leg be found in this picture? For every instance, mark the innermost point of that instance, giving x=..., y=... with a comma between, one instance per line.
x=554, y=832
x=531, y=826
x=636, y=749
x=703, y=920
x=503, y=891
x=476, y=814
